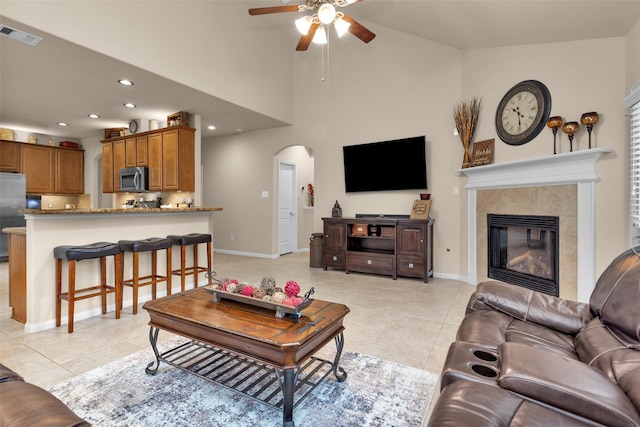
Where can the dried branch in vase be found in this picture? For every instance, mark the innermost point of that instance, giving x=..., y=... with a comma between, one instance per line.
x=465, y=115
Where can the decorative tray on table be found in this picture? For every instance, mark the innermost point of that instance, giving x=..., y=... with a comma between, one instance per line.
x=280, y=309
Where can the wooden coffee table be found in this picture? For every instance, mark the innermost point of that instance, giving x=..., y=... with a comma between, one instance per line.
x=247, y=348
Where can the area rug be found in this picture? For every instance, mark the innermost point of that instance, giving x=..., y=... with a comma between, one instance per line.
x=375, y=393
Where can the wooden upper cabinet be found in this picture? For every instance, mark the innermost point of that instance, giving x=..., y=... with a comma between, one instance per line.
x=130, y=152
x=169, y=154
x=9, y=156
x=69, y=171
x=119, y=162
x=142, y=159
x=154, y=152
x=107, y=168
x=37, y=162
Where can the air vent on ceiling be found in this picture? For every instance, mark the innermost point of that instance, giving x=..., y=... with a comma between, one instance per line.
x=19, y=35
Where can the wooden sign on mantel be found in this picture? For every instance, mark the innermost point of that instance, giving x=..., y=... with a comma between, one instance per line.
x=482, y=152
x=420, y=209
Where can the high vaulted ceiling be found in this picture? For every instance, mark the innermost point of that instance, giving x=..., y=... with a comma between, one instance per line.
x=459, y=24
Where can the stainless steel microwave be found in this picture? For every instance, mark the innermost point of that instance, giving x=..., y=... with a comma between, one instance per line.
x=134, y=180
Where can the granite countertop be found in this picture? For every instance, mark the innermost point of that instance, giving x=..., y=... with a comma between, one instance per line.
x=116, y=210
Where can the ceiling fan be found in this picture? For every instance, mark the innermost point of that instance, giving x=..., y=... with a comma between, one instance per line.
x=323, y=13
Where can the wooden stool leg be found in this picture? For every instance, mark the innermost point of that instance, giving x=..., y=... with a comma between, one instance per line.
x=195, y=266
x=72, y=294
x=118, y=282
x=168, y=255
x=136, y=266
x=183, y=273
x=103, y=283
x=209, y=256
x=154, y=273
x=58, y=291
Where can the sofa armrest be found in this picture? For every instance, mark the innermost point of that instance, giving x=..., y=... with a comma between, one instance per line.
x=564, y=383
x=524, y=304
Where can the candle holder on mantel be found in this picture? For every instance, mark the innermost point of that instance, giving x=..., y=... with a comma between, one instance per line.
x=554, y=123
x=589, y=119
x=570, y=128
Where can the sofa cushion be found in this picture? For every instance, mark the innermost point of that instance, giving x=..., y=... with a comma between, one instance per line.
x=524, y=304
x=565, y=383
x=630, y=384
x=616, y=295
x=464, y=403
x=25, y=404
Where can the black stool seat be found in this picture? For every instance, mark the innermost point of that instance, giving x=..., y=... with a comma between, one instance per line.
x=190, y=239
x=93, y=250
x=145, y=245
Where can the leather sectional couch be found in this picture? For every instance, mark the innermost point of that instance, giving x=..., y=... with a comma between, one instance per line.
x=23, y=404
x=530, y=359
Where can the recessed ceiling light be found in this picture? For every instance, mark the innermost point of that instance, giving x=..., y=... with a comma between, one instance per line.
x=130, y=105
x=211, y=127
x=125, y=82
x=238, y=130
x=94, y=116
x=63, y=124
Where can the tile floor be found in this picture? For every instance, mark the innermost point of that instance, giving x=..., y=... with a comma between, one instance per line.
x=405, y=321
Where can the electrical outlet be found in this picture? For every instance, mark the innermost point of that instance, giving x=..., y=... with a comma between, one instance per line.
x=232, y=238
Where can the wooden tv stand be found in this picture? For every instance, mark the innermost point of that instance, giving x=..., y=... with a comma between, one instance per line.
x=393, y=246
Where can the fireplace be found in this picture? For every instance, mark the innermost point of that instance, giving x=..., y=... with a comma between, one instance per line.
x=524, y=250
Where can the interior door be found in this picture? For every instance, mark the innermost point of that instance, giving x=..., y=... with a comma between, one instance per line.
x=287, y=208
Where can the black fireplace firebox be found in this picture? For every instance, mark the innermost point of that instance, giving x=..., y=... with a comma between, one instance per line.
x=524, y=250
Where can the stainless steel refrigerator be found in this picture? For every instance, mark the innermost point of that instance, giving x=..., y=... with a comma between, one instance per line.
x=13, y=198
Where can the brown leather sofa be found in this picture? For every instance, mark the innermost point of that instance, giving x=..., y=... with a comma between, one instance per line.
x=530, y=359
x=24, y=404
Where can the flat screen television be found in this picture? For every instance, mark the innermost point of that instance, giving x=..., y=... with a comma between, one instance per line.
x=399, y=164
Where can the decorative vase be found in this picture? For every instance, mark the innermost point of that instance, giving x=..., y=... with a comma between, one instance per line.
x=310, y=199
x=466, y=161
x=336, y=212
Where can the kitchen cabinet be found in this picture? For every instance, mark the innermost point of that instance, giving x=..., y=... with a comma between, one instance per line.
x=130, y=153
x=9, y=156
x=393, y=246
x=107, y=168
x=69, y=171
x=37, y=162
x=169, y=154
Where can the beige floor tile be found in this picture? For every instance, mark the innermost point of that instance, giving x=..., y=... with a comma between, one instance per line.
x=405, y=321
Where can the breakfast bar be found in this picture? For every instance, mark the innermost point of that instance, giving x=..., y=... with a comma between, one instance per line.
x=47, y=229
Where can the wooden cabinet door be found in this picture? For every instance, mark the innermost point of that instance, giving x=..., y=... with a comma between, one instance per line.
x=9, y=156
x=141, y=151
x=170, y=165
x=154, y=152
x=412, y=239
x=130, y=153
x=69, y=171
x=334, y=252
x=37, y=162
x=119, y=162
x=107, y=168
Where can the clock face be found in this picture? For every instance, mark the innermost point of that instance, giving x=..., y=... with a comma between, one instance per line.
x=133, y=126
x=523, y=112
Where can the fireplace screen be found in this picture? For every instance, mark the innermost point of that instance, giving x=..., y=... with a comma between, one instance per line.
x=523, y=250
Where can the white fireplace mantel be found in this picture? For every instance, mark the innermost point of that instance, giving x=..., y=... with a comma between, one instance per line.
x=578, y=167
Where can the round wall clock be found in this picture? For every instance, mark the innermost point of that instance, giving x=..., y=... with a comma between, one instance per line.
x=523, y=112
x=133, y=126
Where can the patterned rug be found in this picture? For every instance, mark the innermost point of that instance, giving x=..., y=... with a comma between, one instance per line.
x=375, y=393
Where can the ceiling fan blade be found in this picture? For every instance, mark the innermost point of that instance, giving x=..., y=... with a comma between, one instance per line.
x=274, y=9
x=305, y=41
x=359, y=30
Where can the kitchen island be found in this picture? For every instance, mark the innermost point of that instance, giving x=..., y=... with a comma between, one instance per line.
x=46, y=229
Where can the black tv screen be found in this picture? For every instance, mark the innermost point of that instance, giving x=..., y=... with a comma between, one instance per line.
x=399, y=164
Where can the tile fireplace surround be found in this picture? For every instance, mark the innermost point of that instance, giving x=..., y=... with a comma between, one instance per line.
x=577, y=169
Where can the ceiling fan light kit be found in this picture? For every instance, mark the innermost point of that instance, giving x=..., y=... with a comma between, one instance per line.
x=323, y=13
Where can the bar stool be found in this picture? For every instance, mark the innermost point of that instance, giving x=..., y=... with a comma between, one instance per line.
x=153, y=245
x=73, y=254
x=193, y=239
